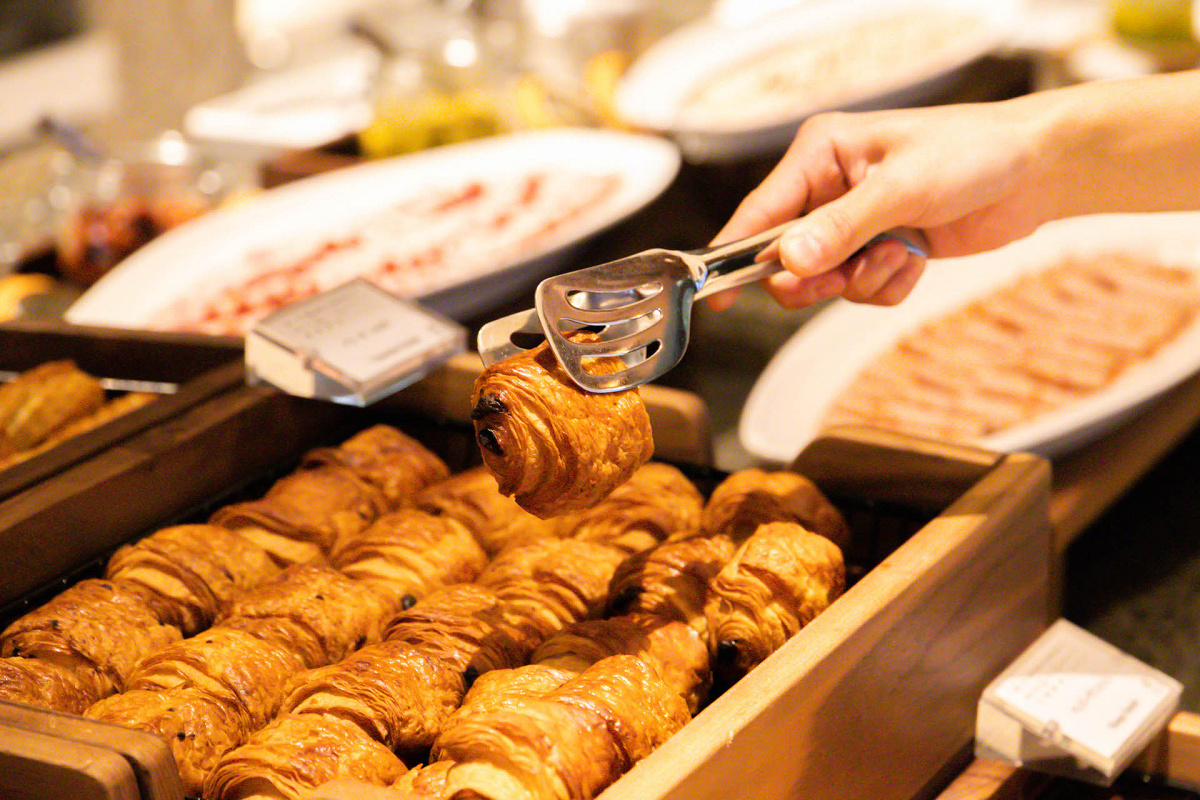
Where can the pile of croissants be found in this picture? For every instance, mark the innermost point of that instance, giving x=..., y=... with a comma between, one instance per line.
x=373, y=619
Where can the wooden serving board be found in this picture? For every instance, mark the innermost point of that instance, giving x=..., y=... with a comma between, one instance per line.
x=36, y=766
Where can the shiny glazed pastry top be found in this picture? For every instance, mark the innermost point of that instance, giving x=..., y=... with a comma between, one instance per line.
x=552, y=446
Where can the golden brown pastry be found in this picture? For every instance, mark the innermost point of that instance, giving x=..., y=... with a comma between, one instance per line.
x=551, y=583
x=474, y=499
x=424, y=781
x=316, y=505
x=197, y=728
x=641, y=711
x=671, y=581
x=393, y=462
x=542, y=750
x=228, y=665
x=671, y=647
x=297, y=753
x=775, y=584
x=47, y=684
x=96, y=626
x=406, y=554
x=657, y=501
x=398, y=694
x=43, y=399
x=194, y=570
x=333, y=613
x=552, y=446
x=112, y=409
x=283, y=550
x=748, y=498
x=464, y=625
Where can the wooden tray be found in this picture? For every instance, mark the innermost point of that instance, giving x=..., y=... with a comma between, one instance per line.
x=199, y=366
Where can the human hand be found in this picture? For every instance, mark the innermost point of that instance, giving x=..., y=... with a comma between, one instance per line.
x=958, y=175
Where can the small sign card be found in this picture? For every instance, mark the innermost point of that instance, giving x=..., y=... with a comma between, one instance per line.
x=1072, y=704
x=354, y=344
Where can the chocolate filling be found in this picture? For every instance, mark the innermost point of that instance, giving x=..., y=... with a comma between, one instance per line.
x=488, y=404
x=488, y=441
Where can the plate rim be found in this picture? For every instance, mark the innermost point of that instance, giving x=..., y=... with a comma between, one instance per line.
x=1176, y=235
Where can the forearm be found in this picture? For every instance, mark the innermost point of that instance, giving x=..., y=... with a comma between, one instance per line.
x=1116, y=146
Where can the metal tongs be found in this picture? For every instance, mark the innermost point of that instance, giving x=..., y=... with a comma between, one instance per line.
x=637, y=309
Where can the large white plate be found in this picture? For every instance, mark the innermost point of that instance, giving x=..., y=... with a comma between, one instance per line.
x=784, y=409
x=653, y=93
x=211, y=251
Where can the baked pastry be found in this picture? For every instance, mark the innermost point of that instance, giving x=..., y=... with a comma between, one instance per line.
x=197, y=728
x=423, y=782
x=117, y=407
x=552, y=446
x=408, y=553
x=47, y=684
x=297, y=753
x=320, y=613
x=97, y=628
x=393, y=462
x=671, y=581
x=676, y=651
x=193, y=571
x=283, y=550
x=775, y=584
x=551, y=583
x=228, y=665
x=656, y=502
x=473, y=498
x=43, y=399
x=464, y=625
x=398, y=694
x=316, y=505
x=750, y=497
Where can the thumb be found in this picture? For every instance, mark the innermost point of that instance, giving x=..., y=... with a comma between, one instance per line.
x=828, y=235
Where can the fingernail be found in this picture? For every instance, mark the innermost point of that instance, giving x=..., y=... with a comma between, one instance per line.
x=801, y=250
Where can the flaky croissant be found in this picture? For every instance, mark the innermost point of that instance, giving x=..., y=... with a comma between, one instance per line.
x=97, y=627
x=42, y=683
x=748, y=498
x=393, y=462
x=671, y=581
x=656, y=502
x=316, y=505
x=297, y=753
x=473, y=498
x=316, y=611
x=552, y=446
x=228, y=665
x=194, y=571
x=406, y=554
x=43, y=399
x=551, y=583
x=110, y=410
x=775, y=584
x=197, y=728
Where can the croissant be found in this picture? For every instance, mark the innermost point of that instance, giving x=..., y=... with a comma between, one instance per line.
x=283, y=550
x=42, y=399
x=675, y=650
x=422, y=782
x=193, y=571
x=657, y=501
x=495, y=520
x=50, y=685
x=297, y=753
x=393, y=462
x=318, y=612
x=542, y=750
x=671, y=581
x=98, y=628
x=551, y=583
x=463, y=625
x=553, y=447
x=748, y=498
x=776, y=583
x=227, y=665
x=197, y=728
x=114, y=408
x=315, y=505
x=406, y=554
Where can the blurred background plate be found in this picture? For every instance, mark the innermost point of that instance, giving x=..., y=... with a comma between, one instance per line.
x=767, y=73
x=214, y=251
x=788, y=402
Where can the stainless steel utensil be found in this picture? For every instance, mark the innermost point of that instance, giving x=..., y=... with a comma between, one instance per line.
x=638, y=307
